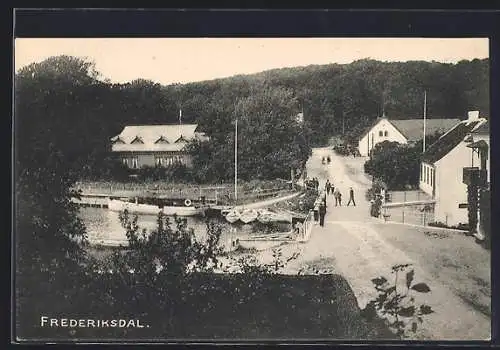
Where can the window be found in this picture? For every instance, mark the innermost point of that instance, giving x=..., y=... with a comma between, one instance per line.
x=380, y=133
x=386, y=133
x=427, y=175
x=125, y=161
x=135, y=162
x=421, y=172
x=432, y=174
x=158, y=161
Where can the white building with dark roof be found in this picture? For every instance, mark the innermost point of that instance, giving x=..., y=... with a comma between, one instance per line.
x=442, y=167
x=404, y=131
x=155, y=145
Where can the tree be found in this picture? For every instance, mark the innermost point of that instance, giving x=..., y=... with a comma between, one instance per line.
x=397, y=165
x=270, y=141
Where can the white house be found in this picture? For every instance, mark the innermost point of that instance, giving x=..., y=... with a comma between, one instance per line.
x=441, y=170
x=154, y=145
x=404, y=131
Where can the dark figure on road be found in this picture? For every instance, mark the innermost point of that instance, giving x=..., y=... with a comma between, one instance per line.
x=338, y=197
x=322, y=213
x=328, y=159
x=327, y=187
x=351, y=197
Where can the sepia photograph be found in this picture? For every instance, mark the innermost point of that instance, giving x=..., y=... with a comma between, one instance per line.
x=235, y=189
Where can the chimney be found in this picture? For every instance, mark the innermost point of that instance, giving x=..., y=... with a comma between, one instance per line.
x=472, y=115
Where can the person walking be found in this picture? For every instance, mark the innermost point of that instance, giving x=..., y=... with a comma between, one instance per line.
x=338, y=197
x=327, y=187
x=322, y=213
x=351, y=197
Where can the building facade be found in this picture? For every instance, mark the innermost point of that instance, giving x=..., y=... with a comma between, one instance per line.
x=139, y=146
x=441, y=170
x=404, y=131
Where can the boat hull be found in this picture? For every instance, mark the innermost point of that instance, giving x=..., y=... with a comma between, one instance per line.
x=248, y=216
x=232, y=216
x=150, y=209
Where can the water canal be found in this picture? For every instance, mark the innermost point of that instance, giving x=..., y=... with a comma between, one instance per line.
x=104, y=227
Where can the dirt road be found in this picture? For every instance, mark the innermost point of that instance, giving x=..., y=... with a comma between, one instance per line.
x=354, y=244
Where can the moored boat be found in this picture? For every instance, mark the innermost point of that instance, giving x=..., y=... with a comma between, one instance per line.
x=266, y=216
x=155, y=205
x=232, y=216
x=248, y=215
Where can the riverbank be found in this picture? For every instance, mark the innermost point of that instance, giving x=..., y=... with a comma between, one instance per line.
x=223, y=193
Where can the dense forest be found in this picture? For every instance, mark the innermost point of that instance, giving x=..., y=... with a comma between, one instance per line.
x=64, y=108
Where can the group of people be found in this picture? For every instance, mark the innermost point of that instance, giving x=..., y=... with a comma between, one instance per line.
x=312, y=183
x=326, y=160
x=320, y=205
x=330, y=188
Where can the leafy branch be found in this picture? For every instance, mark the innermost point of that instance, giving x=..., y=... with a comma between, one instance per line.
x=397, y=305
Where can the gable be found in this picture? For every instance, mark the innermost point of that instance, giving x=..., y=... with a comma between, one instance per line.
x=180, y=139
x=137, y=139
x=446, y=143
x=162, y=139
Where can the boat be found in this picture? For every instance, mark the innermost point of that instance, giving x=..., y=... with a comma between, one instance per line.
x=155, y=205
x=266, y=216
x=233, y=215
x=248, y=215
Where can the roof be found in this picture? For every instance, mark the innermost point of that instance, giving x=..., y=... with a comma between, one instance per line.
x=483, y=129
x=373, y=123
x=155, y=137
x=450, y=140
x=412, y=129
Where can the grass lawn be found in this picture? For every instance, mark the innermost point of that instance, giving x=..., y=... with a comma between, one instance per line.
x=451, y=257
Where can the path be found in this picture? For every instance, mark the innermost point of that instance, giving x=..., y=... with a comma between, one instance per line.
x=352, y=243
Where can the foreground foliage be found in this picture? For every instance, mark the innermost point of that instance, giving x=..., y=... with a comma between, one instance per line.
x=398, y=306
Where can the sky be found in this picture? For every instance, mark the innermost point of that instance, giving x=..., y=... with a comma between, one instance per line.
x=180, y=60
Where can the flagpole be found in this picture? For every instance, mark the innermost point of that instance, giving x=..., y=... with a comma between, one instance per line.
x=180, y=116
x=236, y=159
x=425, y=111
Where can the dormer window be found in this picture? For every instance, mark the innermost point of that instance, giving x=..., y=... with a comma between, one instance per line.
x=118, y=140
x=137, y=140
x=162, y=139
x=180, y=139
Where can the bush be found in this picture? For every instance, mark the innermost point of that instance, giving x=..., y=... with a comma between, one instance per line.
x=460, y=226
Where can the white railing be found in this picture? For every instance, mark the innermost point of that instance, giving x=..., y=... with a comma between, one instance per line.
x=306, y=228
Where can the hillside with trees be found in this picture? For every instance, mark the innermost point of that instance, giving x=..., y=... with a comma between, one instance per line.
x=63, y=104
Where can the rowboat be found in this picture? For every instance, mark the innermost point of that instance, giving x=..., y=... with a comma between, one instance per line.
x=233, y=215
x=248, y=216
x=266, y=216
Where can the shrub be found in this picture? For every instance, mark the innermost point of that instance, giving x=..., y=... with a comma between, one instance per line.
x=460, y=226
x=398, y=306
